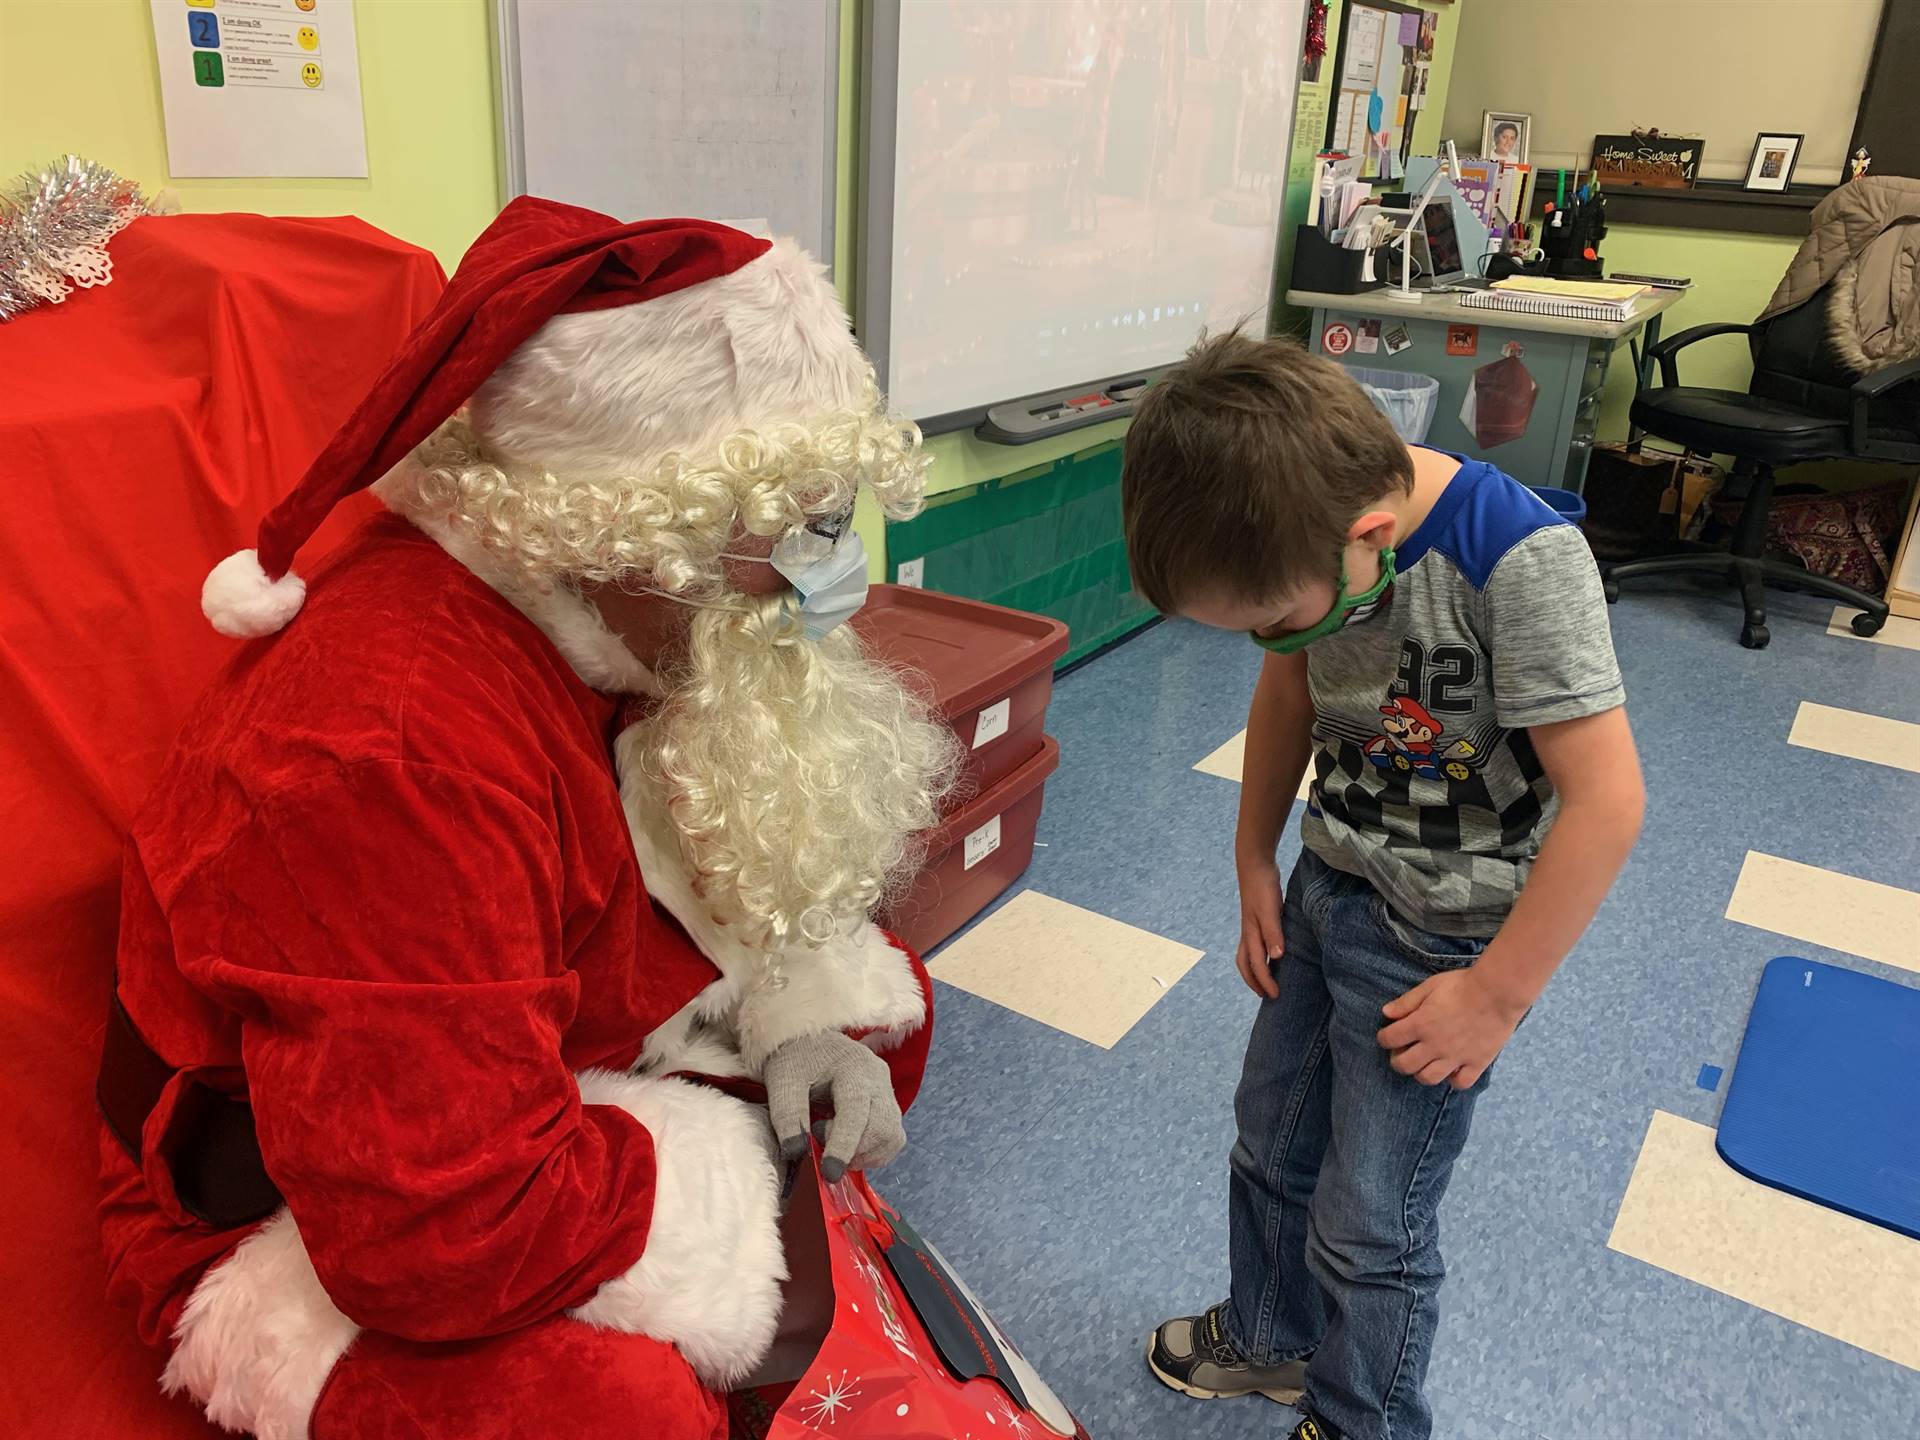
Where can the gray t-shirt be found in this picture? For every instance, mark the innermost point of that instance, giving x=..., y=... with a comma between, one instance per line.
x=1426, y=784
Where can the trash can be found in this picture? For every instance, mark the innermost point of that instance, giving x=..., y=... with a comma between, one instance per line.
x=1408, y=400
x=1562, y=502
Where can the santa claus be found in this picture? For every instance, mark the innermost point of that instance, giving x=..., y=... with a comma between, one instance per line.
x=565, y=797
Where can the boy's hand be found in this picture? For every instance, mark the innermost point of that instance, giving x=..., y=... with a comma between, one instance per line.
x=1449, y=1028
x=1261, y=942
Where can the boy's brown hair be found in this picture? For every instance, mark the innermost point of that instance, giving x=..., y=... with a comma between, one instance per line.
x=1243, y=469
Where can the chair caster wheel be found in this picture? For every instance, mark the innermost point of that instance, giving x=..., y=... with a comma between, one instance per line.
x=1866, y=624
x=1610, y=588
x=1755, y=637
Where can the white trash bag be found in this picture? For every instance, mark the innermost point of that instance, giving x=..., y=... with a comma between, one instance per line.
x=1408, y=400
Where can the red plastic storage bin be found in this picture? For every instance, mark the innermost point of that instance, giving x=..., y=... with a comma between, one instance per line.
x=991, y=668
x=974, y=855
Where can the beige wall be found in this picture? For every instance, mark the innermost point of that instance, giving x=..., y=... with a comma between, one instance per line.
x=1720, y=69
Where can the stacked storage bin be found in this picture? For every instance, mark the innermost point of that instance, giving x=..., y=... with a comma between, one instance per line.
x=991, y=673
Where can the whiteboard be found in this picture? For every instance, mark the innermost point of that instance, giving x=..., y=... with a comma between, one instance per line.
x=656, y=108
x=1060, y=192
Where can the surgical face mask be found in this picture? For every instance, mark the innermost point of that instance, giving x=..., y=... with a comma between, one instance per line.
x=826, y=563
x=1347, y=610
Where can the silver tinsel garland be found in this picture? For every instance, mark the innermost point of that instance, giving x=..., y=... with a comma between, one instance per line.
x=54, y=228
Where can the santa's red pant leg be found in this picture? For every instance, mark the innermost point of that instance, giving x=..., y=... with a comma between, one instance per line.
x=555, y=1378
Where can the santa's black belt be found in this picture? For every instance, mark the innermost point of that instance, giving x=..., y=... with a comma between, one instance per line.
x=210, y=1148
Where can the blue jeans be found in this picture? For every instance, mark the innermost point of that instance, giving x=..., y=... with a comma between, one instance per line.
x=1340, y=1164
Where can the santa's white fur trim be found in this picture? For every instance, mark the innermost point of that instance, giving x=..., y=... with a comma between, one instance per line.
x=859, y=982
x=851, y=983
x=566, y=617
x=614, y=390
x=241, y=601
x=259, y=1337
x=709, y=1279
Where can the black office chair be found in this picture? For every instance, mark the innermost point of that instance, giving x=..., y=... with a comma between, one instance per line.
x=1800, y=405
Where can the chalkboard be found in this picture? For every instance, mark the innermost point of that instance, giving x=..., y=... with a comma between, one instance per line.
x=646, y=108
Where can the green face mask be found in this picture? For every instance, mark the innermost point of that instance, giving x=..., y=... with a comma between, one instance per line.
x=1339, y=617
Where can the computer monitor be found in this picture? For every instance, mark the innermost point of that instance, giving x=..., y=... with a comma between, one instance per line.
x=1442, y=260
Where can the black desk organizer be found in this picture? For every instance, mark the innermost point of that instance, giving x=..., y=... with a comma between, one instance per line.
x=1319, y=264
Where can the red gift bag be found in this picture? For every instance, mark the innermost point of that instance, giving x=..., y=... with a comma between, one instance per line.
x=879, y=1338
x=1500, y=399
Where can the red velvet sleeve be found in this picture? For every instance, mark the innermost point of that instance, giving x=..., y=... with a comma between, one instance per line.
x=391, y=936
x=907, y=1060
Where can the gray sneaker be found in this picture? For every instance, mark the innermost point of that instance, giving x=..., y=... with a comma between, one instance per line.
x=1194, y=1356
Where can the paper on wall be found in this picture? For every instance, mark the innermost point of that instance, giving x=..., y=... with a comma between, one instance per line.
x=260, y=88
x=1365, y=31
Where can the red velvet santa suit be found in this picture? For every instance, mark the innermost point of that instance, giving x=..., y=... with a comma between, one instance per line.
x=386, y=890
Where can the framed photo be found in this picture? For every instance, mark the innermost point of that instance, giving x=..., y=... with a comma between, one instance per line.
x=1771, y=167
x=1503, y=136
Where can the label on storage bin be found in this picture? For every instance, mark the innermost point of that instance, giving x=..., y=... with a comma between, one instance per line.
x=912, y=573
x=993, y=722
x=983, y=842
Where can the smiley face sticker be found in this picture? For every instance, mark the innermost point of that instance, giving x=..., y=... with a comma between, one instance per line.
x=310, y=75
x=306, y=5
x=308, y=37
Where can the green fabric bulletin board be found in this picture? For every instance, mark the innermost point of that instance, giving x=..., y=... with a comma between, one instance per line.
x=1047, y=540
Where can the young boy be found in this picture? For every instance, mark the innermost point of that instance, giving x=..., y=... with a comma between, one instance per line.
x=1437, y=644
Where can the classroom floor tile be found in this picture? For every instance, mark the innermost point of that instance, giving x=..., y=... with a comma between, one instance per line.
x=1898, y=630
x=1877, y=739
x=1065, y=967
x=1229, y=763
x=1688, y=1212
x=1825, y=907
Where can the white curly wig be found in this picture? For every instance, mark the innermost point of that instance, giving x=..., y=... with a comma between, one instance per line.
x=634, y=447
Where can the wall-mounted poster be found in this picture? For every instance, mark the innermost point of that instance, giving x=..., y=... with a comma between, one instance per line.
x=260, y=87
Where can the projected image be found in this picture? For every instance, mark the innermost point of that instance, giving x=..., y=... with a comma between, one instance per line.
x=1080, y=186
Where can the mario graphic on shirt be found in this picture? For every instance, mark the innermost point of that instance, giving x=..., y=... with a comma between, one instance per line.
x=1407, y=743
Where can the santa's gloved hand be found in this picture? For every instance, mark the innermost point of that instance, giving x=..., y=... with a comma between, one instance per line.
x=865, y=1131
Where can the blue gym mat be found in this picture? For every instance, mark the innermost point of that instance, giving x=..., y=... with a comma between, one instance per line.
x=1824, y=1102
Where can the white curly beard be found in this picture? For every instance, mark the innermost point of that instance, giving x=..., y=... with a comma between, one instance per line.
x=797, y=773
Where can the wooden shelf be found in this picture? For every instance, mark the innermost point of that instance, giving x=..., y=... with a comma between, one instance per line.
x=1710, y=205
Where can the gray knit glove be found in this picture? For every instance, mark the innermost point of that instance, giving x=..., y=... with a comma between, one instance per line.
x=865, y=1131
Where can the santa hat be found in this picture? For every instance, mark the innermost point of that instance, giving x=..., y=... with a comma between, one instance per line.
x=538, y=260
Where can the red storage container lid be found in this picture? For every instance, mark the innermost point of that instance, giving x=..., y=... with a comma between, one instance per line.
x=973, y=652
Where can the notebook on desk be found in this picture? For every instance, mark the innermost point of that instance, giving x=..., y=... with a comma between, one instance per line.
x=1569, y=299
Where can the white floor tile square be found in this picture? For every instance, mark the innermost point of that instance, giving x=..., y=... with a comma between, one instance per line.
x=1825, y=907
x=1688, y=1212
x=1897, y=631
x=1229, y=763
x=1877, y=739
x=1066, y=967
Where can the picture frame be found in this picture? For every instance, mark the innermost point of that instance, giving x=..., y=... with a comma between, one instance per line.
x=1771, y=165
x=1507, y=128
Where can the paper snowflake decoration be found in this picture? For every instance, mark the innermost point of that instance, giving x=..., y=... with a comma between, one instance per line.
x=826, y=1406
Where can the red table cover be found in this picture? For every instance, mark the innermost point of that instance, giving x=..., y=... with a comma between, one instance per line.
x=145, y=426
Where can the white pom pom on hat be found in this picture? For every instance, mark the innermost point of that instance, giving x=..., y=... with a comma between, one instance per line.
x=242, y=601
x=537, y=260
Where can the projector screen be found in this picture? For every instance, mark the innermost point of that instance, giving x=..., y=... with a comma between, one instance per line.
x=1066, y=191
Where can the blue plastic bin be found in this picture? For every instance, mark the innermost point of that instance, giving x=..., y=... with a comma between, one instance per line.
x=1562, y=502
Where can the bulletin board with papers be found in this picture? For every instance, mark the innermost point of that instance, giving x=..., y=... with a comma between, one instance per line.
x=1381, y=76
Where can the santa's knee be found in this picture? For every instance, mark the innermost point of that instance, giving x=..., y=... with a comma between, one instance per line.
x=558, y=1377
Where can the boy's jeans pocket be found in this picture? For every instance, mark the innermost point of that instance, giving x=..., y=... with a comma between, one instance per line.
x=1430, y=951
